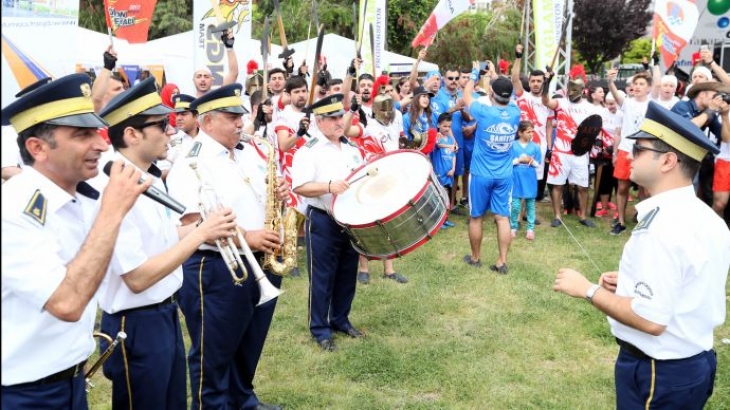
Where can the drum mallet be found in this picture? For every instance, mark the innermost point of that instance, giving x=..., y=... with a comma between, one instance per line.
x=372, y=171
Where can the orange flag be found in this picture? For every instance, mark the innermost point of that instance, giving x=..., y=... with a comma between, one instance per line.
x=130, y=19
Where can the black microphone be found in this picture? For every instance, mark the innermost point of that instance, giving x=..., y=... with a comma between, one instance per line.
x=154, y=193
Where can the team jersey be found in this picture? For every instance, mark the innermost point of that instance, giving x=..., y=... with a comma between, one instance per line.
x=570, y=115
x=495, y=133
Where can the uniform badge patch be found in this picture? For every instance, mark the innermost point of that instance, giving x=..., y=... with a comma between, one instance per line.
x=647, y=220
x=37, y=207
x=311, y=143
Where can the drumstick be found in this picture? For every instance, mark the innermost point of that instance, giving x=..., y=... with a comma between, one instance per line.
x=371, y=173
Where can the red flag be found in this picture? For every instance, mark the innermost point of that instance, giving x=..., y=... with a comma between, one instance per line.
x=444, y=11
x=130, y=19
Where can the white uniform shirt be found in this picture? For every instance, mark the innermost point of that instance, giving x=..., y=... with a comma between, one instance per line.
x=238, y=182
x=320, y=160
x=675, y=266
x=36, y=344
x=148, y=229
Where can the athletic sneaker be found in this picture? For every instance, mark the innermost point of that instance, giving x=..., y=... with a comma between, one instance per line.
x=464, y=202
x=530, y=235
x=601, y=213
x=470, y=262
x=612, y=206
x=599, y=206
x=618, y=229
x=502, y=270
x=556, y=222
x=448, y=223
x=363, y=277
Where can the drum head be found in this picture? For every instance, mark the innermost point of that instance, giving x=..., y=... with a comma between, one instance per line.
x=398, y=178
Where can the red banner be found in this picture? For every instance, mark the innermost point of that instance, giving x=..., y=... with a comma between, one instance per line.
x=130, y=19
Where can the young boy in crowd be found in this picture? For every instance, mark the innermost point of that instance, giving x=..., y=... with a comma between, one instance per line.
x=444, y=159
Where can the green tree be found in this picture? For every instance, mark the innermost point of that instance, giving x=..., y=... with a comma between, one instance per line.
x=638, y=50
x=170, y=17
x=602, y=30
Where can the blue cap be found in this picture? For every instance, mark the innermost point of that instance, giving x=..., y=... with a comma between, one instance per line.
x=675, y=130
x=65, y=101
x=35, y=85
x=142, y=99
x=182, y=102
x=329, y=106
x=431, y=74
x=226, y=98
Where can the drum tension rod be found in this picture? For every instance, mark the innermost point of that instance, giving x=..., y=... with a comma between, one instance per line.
x=387, y=235
x=419, y=217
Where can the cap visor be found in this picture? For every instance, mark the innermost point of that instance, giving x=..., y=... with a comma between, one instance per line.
x=641, y=135
x=182, y=109
x=338, y=113
x=157, y=110
x=89, y=120
x=238, y=109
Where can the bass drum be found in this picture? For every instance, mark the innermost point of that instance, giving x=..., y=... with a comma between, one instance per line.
x=395, y=209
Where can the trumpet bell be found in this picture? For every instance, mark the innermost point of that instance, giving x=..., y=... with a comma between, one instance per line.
x=268, y=290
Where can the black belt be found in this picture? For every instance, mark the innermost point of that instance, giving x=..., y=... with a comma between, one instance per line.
x=259, y=256
x=633, y=350
x=69, y=373
x=172, y=299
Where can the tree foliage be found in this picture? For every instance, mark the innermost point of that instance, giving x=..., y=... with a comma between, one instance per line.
x=170, y=17
x=602, y=30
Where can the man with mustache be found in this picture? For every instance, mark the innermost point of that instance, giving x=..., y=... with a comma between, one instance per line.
x=319, y=172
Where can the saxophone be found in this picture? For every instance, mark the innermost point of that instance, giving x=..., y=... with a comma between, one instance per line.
x=281, y=218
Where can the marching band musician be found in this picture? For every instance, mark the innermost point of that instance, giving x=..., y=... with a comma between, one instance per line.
x=56, y=244
x=140, y=291
x=187, y=127
x=227, y=329
x=669, y=292
x=319, y=171
x=381, y=135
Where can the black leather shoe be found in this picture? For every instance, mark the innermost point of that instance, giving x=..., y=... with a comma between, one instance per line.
x=328, y=345
x=352, y=332
x=264, y=406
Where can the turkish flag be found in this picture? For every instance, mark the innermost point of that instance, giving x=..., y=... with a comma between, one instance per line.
x=130, y=19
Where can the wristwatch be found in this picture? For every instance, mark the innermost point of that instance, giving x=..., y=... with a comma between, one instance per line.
x=592, y=291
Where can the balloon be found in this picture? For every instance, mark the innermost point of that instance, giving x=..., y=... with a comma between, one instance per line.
x=723, y=22
x=718, y=7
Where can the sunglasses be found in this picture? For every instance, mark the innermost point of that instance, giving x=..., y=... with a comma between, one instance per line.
x=452, y=78
x=640, y=148
x=163, y=124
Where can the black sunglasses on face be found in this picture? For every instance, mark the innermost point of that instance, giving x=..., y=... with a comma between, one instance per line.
x=640, y=148
x=452, y=78
x=163, y=124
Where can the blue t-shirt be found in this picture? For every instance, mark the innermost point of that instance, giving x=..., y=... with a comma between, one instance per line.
x=495, y=133
x=420, y=126
x=442, y=159
x=524, y=177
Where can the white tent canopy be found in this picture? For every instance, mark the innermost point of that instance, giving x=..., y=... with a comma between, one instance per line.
x=339, y=51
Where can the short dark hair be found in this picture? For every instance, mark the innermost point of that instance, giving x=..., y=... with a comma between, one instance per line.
x=537, y=73
x=444, y=116
x=276, y=70
x=465, y=70
x=255, y=98
x=295, y=82
x=334, y=81
x=688, y=165
x=365, y=76
x=116, y=132
x=44, y=131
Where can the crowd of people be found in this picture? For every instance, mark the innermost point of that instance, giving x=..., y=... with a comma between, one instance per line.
x=129, y=200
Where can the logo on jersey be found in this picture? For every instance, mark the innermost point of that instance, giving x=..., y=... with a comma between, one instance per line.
x=501, y=136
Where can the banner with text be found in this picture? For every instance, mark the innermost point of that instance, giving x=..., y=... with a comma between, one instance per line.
x=35, y=43
x=209, y=51
x=376, y=14
x=548, y=22
x=130, y=19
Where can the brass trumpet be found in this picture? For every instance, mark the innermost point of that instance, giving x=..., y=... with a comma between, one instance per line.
x=104, y=356
x=208, y=202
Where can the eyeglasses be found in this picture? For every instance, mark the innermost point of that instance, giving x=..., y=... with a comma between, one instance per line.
x=163, y=124
x=640, y=148
x=452, y=78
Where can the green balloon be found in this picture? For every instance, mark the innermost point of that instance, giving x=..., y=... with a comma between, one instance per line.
x=718, y=7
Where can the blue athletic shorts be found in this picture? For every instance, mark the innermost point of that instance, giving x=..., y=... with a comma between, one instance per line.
x=489, y=194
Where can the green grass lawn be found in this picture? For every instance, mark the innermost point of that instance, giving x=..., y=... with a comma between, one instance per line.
x=458, y=337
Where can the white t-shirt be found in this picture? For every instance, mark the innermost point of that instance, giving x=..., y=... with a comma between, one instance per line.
x=634, y=113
